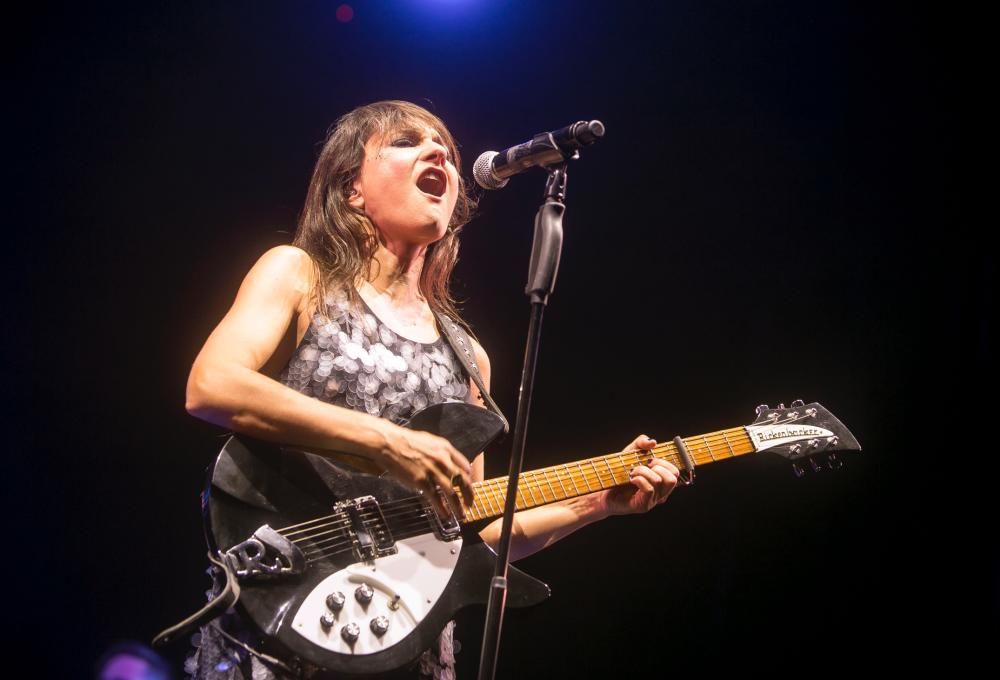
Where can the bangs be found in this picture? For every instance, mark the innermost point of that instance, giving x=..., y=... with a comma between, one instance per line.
x=405, y=117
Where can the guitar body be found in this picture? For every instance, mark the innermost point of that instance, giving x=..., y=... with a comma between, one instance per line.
x=356, y=574
x=385, y=559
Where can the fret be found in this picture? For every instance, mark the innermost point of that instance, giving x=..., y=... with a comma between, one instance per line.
x=599, y=480
x=530, y=486
x=726, y=437
x=501, y=493
x=625, y=465
x=710, y=454
x=562, y=486
x=584, y=475
x=489, y=491
x=477, y=501
x=545, y=476
x=520, y=490
x=572, y=481
x=614, y=480
x=475, y=513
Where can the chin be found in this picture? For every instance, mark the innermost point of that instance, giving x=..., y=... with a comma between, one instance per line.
x=436, y=232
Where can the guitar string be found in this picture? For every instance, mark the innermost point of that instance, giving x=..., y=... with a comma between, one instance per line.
x=412, y=528
x=497, y=487
x=346, y=547
x=497, y=491
x=420, y=524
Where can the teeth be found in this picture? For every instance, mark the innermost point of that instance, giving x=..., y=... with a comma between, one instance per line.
x=432, y=183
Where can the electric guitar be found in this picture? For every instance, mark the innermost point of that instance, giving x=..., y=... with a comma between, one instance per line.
x=355, y=573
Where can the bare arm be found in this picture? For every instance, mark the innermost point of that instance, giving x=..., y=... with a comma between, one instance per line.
x=225, y=386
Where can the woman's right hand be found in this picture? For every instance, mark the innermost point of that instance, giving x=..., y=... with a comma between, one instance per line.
x=431, y=465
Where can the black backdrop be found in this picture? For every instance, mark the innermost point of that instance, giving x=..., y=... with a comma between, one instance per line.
x=774, y=213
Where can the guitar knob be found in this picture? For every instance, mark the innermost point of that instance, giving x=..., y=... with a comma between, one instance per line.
x=798, y=470
x=813, y=443
x=326, y=621
x=795, y=449
x=364, y=593
x=761, y=409
x=815, y=466
x=351, y=632
x=335, y=601
x=379, y=625
x=832, y=441
x=798, y=403
x=781, y=407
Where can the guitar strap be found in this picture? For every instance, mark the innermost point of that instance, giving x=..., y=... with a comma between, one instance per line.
x=215, y=608
x=462, y=345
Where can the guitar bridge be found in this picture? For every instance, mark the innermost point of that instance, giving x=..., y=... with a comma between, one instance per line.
x=370, y=534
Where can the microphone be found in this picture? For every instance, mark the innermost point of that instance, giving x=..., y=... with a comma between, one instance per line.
x=492, y=169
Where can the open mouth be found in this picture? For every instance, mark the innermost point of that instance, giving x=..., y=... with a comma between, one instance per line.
x=432, y=181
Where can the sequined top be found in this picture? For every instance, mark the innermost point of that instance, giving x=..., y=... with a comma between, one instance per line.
x=351, y=359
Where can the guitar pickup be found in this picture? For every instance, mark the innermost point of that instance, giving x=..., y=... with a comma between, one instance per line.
x=370, y=534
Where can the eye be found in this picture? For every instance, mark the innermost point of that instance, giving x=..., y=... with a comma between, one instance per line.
x=403, y=141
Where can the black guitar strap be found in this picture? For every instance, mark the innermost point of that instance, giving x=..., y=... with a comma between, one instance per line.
x=462, y=345
x=215, y=608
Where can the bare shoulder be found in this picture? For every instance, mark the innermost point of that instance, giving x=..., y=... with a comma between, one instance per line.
x=288, y=263
x=283, y=272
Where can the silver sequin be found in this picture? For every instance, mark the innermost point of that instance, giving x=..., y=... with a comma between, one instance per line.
x=352, y=359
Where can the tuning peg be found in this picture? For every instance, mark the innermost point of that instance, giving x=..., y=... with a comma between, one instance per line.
x=815, y=466
x=798, y=403
x=797, y=469
x=762, y=409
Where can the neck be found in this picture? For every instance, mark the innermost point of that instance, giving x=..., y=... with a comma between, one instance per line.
x=396, y=272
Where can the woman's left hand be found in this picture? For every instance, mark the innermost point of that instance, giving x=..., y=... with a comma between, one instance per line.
x=651, y=484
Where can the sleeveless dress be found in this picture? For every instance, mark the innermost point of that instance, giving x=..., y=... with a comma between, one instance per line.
x=349, y=359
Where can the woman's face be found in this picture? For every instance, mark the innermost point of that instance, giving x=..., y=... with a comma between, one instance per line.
x=408, y=186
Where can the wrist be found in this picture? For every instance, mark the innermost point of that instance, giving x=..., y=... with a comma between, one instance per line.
x=592, y=507
x=375, y=438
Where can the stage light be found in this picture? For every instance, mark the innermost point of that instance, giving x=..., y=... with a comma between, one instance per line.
x=345, y=13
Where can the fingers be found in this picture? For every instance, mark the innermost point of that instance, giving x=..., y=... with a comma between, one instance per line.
x=657, y=479
x=435, y=468
x=463, y=476
x=641, y=442
x=451, y=470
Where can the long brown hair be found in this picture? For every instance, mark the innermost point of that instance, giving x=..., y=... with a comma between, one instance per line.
x=341, y=239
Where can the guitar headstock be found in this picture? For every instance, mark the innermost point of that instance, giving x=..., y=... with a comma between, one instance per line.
x=799, y=432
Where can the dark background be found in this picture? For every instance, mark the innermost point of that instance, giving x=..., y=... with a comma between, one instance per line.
x=774, y=213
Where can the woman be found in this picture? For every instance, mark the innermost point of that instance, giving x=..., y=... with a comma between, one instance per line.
x=332, y=341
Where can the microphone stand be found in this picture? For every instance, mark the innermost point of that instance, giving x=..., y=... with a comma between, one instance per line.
x=545, y=252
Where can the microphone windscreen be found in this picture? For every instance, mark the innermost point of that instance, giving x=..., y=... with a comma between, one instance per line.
x=482, y=172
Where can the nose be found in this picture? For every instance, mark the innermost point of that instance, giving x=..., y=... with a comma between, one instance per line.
x=435, y=152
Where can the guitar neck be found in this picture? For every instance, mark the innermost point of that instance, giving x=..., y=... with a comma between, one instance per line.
x=560, y=482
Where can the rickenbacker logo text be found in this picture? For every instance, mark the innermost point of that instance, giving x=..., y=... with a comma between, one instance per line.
x=768, y=436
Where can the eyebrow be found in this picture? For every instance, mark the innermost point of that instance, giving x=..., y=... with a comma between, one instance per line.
x=411, y=128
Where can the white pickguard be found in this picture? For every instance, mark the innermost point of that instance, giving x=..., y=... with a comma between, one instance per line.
x=418, y=574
